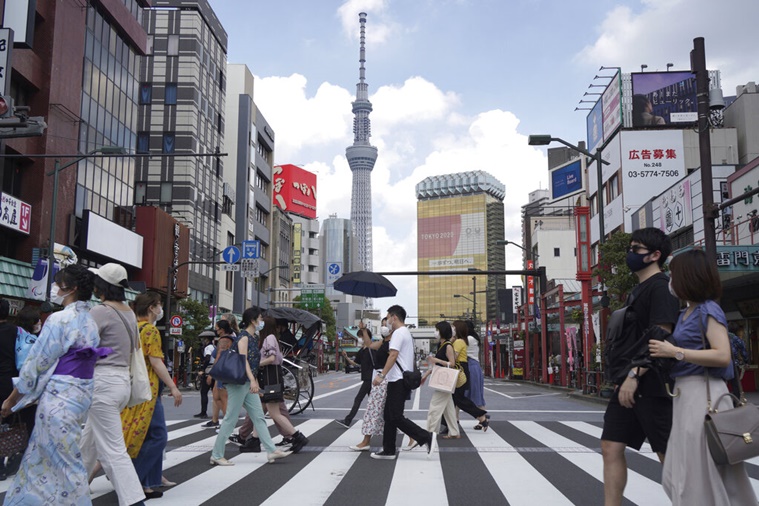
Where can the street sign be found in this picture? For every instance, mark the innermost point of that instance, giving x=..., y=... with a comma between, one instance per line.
x=176, y=321
x=175, y=331
x=251, y=249
x=230, y=267
x=334, y=271
x=312, y=296
x=249, y=268
x=231, y=254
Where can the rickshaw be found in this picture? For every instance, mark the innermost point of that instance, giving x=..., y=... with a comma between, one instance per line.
x=298, y=366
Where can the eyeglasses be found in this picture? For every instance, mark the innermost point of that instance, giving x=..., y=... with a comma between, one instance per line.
x=638, y=249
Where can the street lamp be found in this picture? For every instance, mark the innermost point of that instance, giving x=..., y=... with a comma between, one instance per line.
x=530, y=254
x=105, y=150
x=473, y=301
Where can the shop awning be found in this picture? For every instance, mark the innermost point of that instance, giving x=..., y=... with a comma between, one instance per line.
x=14, y=278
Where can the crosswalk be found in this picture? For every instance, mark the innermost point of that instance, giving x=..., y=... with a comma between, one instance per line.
x=515, y=463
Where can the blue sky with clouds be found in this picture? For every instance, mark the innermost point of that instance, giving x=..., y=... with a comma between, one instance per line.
x=457, y=85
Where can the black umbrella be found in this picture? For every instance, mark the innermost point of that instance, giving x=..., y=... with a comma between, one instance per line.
x=365, y=284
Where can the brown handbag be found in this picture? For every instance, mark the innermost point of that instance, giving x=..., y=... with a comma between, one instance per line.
x=733, y=434
x=13, y=437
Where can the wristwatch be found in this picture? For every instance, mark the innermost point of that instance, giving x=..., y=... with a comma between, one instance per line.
x=632, y=374
x=381, y=375
x=680, y=355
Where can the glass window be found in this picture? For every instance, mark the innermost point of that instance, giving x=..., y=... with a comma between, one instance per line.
x=166, y=192
x=173, y=47
x=143, y=142
x=557, y=252
x=171, y=94
x=146, y=93
x=168, y=143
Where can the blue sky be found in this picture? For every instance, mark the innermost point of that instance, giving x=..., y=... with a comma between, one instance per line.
x=457, y=85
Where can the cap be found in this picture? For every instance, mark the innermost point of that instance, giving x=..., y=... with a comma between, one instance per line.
x=114, y=274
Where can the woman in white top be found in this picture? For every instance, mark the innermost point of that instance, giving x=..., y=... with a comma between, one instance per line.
x=476, y=391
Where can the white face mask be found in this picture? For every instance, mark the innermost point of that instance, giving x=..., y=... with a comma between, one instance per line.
x=437, y=334
x=672, y=290
x=260, y=326
x=384, y=331
x=37, y=328
x=55, y=296
x=159, y=315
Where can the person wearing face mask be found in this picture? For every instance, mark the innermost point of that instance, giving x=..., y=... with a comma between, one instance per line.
x=102, y=439
x=144, y=425
x=441, y=404
x=640, y=407
x=367, y=361
x=374, y=420
x=58, y=375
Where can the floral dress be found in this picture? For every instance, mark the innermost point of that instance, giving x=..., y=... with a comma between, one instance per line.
x=374, y=418
x=136, y=420
x=51, y=470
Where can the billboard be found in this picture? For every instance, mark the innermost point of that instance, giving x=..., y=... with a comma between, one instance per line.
x=595, y=126
x=295, y=190
x=612, y=106
x=676, y=208
x=664, y=98
x=15, y=213
x=566, y=180
x=442, y=237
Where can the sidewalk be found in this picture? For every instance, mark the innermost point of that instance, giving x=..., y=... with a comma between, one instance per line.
x=752, y=397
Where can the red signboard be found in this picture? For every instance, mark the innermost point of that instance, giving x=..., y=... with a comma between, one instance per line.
x=295, y=190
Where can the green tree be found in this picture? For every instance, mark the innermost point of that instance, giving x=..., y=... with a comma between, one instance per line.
x=612, y=269
x=196, y=320
x=325, y=312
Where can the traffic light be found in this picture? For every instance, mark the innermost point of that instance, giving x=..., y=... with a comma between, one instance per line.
x=6, y=107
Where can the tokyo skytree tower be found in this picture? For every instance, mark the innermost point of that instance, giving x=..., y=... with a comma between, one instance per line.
x=361, y=157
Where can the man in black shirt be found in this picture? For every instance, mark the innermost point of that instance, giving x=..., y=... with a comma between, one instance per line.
x=640, y=407
x=365, y=359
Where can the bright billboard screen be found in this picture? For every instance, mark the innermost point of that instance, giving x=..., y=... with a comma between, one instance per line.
x=566, y=180
x=664, y=98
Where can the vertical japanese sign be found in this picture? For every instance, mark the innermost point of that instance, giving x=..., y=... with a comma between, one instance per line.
x=531, y=286
x=297, y=246
x=6, y=42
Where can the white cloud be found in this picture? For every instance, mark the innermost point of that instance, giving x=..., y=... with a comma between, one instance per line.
x=419, y=132
x=380, y=27
x=663, y=32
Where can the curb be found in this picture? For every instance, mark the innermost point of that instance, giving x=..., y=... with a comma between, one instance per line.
x=571, y=392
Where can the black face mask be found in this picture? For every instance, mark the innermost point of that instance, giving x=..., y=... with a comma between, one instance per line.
x=635, y=261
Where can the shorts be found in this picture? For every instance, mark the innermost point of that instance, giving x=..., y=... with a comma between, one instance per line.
x=650, y=417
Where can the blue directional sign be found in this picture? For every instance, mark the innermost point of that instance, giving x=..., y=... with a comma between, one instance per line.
x=251, y=249
x=231, y=254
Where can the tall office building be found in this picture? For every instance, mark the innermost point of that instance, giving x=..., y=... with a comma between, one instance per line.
x=361, y=157
x=181, y=101
x=459, y=221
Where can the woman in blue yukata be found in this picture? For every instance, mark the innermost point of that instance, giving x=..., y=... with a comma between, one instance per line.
x=58, y=374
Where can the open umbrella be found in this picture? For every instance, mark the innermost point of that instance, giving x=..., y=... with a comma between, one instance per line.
x=365, y=284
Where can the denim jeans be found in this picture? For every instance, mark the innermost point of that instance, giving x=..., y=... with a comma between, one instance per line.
x=149, y=462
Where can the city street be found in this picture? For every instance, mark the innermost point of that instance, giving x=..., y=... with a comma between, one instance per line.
x=542, y=448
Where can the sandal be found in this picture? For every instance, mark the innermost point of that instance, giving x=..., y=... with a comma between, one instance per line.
x=478, y=427
x=485, y=423
x=448, y=436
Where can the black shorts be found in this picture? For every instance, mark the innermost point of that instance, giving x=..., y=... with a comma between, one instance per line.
x=650, y=417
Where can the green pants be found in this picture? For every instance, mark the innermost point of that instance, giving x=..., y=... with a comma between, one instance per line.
x=237, y=397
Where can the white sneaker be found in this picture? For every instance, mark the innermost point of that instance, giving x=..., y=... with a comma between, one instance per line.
x=279, y=454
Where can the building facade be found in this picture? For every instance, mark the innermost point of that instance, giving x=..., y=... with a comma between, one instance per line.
x=181, y=99
x=459, y=221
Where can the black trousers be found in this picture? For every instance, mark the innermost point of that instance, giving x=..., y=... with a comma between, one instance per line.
x=204, y=389
x=397, y=394
x=363, y=391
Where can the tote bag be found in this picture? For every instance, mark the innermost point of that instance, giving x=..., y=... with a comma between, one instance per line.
x=138, y=371
x=444, y=379
x=230, y=366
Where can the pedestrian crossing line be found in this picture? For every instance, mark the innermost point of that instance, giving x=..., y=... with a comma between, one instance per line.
x=333, y=392
x=519, y=397
x=595, y=431
x=186, y=431
x=323, y=473
x=509, y=467
x=639, y=489
x=417, y=477
x=417, y=399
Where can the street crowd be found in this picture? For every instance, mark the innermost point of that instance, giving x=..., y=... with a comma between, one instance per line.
x=71, y=384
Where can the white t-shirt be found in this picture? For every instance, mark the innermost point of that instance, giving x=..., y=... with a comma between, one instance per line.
x=404, y=344
x=473, y=349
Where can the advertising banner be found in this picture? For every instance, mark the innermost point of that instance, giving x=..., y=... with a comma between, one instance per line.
x=676, y=208
x=517, y=300
x=566, y=180
x=518, y=369
x=595, y=125
x=612, y=106
x=664, y=98
x=448, y=236
x=651, y=160
x=295, y=190
x=297, y=246
x=15, y=213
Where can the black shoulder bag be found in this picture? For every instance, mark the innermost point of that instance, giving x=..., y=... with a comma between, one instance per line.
x=411, y=379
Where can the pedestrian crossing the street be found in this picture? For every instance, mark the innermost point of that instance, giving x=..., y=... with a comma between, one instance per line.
x=514, y=462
